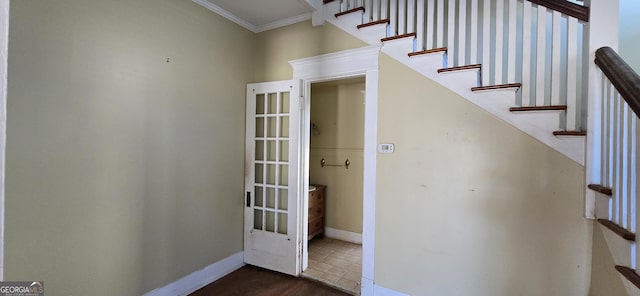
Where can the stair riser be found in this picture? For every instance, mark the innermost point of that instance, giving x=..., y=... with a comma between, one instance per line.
x=373, y=34
x=429, y=62
x=603, y=204
x=546, y=120
x=398, y=48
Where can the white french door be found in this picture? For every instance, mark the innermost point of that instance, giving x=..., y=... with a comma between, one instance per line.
x=272, y=183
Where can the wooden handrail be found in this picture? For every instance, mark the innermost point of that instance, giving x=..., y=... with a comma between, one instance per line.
x=623, y=78
x=575, y=10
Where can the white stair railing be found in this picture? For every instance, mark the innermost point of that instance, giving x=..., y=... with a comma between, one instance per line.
x=619, y=109
x=516, y=41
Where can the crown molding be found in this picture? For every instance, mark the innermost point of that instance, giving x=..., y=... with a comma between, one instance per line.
x=283, y=23
x=251, y=27
x=226, y=14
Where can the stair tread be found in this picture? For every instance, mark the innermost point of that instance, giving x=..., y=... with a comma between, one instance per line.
x=629, y=274
x=626, y=234
x=385, y=21
x=350, y=11
x=428, y=51
x=459, y=68
x=539, y=108
x=398, y=37
x=496, y=86
x=570, y=133
x=601, y=189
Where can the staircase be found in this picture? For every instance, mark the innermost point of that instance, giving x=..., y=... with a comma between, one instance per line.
x=522, y=67
x=529, y=63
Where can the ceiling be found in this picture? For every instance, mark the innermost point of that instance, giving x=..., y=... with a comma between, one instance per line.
x=262, y=15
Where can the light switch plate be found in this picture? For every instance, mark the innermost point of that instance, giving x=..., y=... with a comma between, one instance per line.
x=386, y=148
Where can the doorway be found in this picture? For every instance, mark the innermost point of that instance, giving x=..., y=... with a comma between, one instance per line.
x=336, y=172
x=266, y=245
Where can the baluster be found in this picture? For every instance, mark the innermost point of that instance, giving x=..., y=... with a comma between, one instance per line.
x=421, y=30
x=384, y=9
x=368, y=9
x=393, y=16
x=607, y=139
x=402, y=17
x=440, y=35
x=430, y=24
x=572, y=72
x=624, y=165
x=375, y=10
x=451, y=20
x=604, y=127
x=511, y=68
x=499, y=41
x=634, y=169
x=486, y=42
x=541, y=55
x=555, y=58
x=473, y=46
x=526, y=54
x=411, y=16
x=611, y=132
x=462, y=33
x=617, y=166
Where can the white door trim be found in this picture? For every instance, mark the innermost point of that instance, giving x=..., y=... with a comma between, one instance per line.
x=345, y=64
x=4, y=60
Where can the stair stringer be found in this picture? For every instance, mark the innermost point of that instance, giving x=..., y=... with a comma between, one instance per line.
x=539, y=125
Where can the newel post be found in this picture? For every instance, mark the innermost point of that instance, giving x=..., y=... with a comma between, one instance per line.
x=601, y=30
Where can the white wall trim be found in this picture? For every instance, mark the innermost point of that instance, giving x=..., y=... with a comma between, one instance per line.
x=282, y=23
x=201, y=278
x=4, y=60
x=249, y=26
x=226, y=14
x=343, y=235
x=382, y=291
x=333, y=66
x=337, y=65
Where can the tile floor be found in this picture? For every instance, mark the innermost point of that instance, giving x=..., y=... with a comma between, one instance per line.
x=336, y=263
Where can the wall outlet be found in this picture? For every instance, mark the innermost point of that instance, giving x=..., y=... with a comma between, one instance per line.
x=386, y=148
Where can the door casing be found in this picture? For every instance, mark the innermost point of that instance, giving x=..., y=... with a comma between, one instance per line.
x=341, y=65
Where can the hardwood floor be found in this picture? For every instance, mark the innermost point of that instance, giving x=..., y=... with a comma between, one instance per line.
x=250, y=280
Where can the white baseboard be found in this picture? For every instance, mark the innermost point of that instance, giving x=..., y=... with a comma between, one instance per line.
x=201, y=278
x=382, y=291
x=346, y=236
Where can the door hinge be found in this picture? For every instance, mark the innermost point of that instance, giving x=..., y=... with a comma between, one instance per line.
x=248, y=199
x=301, y=102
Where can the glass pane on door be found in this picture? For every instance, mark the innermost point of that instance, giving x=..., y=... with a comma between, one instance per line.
x=271, y=157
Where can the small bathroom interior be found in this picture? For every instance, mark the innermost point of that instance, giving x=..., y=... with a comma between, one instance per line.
x=336, y=183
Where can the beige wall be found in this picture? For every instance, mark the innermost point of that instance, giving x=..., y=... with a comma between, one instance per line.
x=124, y=171
x=629, y=47
x=605, y=280
x=469, y=205
x=338, y=111
x=277, y=47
